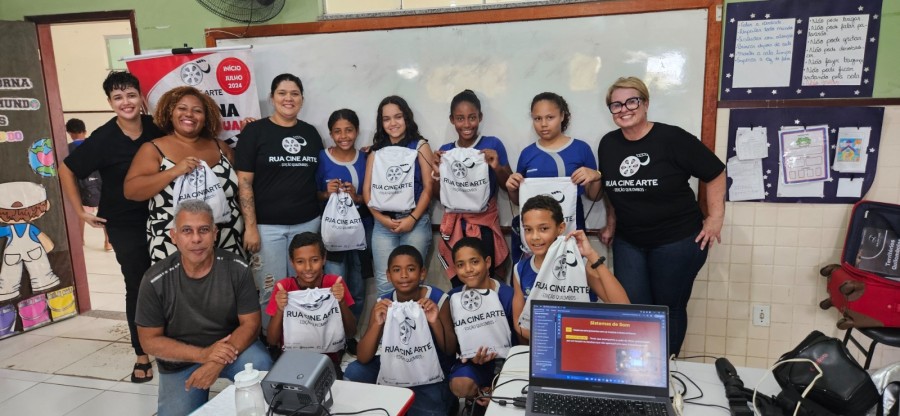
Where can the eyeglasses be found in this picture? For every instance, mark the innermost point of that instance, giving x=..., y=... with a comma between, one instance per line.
x=632, y=103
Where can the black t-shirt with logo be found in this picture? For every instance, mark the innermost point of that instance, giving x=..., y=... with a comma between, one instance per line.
x=283, y=161
x=647, y=183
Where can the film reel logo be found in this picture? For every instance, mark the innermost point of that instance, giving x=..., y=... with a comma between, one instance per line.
x=460, y=169
x=192, y=72
x=632, y=164
x=407, y=326
x=395, y=173
x=315, y=304
x=562, y=263
x=293, y=145
x=344, y=204
x=470, y=300
x=559, y=196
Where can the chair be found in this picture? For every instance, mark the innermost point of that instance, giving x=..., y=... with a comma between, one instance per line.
x=886, y=336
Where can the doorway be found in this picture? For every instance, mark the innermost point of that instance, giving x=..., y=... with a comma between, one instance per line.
x=77, y=52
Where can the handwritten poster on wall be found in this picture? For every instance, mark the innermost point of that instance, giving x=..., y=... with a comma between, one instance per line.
x=790, y=49
x=763, y=53
x=835, y=48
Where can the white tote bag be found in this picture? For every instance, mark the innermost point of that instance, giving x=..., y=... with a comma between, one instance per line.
x=393, y=179
x=342, y=229
x=562, y=278
x=203, y=184
x=559, y=188
x=313, y=322
x=408, y=356
x=480, y=321
x=465, y=186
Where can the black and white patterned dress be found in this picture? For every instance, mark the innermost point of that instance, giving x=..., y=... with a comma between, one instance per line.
x=162, y=213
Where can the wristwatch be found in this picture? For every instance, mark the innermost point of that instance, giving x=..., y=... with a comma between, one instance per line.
x=598, y=262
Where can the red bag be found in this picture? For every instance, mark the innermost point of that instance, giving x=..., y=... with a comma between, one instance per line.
x=865, y=287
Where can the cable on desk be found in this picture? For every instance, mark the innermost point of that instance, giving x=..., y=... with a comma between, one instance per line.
x=690, y=400
x=361, y=411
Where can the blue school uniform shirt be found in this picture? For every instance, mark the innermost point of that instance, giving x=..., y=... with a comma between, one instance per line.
x=482, y=143
x=438, y=297
x=537, y=162
x=505, y=293
x=527, y=274
x=353, y=172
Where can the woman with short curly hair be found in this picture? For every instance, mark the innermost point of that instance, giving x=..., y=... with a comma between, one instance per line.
x=191, y=121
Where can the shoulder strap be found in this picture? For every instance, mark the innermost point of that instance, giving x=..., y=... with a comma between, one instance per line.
x=153, y=142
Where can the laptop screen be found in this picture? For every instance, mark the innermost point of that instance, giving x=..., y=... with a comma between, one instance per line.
x=600, y=344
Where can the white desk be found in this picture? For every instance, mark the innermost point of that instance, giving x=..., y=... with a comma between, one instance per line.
x=703, y=374
x=349, y=397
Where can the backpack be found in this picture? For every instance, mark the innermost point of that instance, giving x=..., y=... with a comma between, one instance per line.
x=465, y=186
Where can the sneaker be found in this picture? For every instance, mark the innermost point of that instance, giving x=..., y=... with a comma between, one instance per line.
x=350, y=348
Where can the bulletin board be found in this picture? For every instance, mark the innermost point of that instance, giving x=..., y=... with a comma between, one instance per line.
x=36, y=277
x=773, y=119
x=796, y=49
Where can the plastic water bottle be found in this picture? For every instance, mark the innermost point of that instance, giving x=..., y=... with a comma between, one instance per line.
x=248, y=395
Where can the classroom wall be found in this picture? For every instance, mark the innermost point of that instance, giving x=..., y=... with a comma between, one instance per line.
x=161, y=24
x=770, y=253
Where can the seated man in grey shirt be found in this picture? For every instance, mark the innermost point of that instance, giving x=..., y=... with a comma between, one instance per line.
x=198, y=313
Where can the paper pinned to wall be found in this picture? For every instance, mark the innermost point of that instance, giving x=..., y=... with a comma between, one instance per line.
x=800, y=190
x=804, y=154
x=751, y=143
x=849, y=187
x=851, y=149
x=835, y=48
x=746, y=180
x=763, y=52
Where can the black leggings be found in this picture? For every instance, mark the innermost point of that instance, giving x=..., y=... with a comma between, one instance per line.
x=133, y=255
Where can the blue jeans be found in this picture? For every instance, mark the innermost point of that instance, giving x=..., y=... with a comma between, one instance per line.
x=661, y=275
x=384, y=241
x=430, y=399
x=350, y=268
x=174, y=401
x=274, y=259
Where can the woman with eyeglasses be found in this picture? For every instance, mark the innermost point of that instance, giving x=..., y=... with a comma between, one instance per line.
x=661, y=235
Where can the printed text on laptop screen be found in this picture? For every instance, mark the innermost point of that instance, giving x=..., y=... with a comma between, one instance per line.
x=597, y=345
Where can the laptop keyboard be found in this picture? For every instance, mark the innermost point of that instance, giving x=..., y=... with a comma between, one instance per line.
x=564, y=404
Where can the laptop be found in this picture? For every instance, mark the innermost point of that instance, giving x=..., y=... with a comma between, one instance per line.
x=598, y=359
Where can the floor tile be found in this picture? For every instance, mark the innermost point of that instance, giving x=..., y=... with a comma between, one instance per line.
x=10, y=387
x=135, y=388
x=53, y=355
x=22, y=342
x=23, y=375
x=113, y=403
x=106, y=283
x=112, y=362
x=86, y=382
x=99, y=329
x=57, y=328
x=47, y=400
x=108, y=301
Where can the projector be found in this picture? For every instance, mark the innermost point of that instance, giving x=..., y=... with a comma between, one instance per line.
x=300, y=383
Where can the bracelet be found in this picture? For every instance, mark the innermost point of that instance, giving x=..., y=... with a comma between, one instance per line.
x=413, y=217
x=598, y=262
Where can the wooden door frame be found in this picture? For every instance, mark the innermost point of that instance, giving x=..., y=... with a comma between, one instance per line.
x=58, y=126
